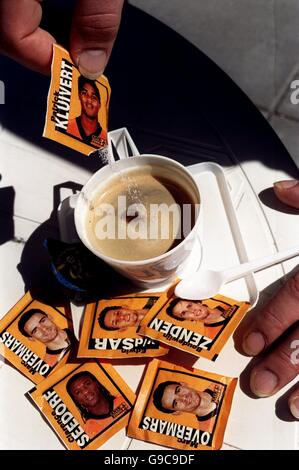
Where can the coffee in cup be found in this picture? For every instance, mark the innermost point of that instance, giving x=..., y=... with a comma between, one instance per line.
x=139, y=215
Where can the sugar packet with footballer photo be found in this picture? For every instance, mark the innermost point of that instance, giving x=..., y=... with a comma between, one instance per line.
x=85, y=404
x=36, y=338
x=200, y=327
x=77, y=109
x=182, y=408
x=110, y=328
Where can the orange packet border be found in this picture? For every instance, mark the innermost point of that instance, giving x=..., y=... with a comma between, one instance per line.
x=143, y=399
x=59, y=54
x=90, y=317
x=115, y=380
x=207, y=347
x=17, y=310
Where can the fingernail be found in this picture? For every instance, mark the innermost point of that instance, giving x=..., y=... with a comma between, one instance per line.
x=294, y=406
x=263, y=383
x=287, y=184
x=92, y=62
x=253, y=344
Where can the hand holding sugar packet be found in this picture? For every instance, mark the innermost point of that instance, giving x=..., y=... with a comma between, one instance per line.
x=182, y=408
x=110, y=328
x=36, y=338
x=85, y=404
x=198, y=327
x=77, y=110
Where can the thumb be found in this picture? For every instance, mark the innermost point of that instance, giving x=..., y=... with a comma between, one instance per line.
x=288, y=192
x=94, y=29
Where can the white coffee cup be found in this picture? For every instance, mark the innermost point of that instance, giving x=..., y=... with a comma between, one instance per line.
x=147, y=272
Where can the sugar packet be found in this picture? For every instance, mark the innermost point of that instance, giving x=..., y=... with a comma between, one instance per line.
x=110, y=328
x=36, y=338
x=77, y=109
x=85, y=404
x=182, y=408
x=200, y=327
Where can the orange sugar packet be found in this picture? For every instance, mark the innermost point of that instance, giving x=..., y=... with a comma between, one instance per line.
x=77, y=108
x=182, y=408
x=199, y=327
x=85, y=404
x=110, y=328
x=36, y=338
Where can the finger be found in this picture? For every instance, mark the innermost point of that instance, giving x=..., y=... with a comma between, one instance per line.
x=257, y=332
x=294, y=403
x=94, y=29
x=277, y=368
x=288, y=192
x=20, y=35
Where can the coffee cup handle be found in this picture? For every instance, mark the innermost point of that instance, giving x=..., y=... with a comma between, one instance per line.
x=66, y=221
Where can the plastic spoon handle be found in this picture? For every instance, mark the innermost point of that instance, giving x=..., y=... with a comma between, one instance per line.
x=258, y=264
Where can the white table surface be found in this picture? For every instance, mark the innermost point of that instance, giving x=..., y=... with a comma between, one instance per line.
x=33, y=172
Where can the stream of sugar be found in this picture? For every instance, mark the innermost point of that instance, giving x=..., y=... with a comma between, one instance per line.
x=134, y=191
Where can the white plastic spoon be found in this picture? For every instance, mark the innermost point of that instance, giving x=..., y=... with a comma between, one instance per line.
x=206, y=283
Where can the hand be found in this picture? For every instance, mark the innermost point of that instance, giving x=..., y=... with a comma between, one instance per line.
x=94, y=28
x=279, y=364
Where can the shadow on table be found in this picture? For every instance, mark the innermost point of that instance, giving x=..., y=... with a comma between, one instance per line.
x=177, y=104
x=36, y=264
x=268, y=198
x=282, y=409
x=7, y=197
